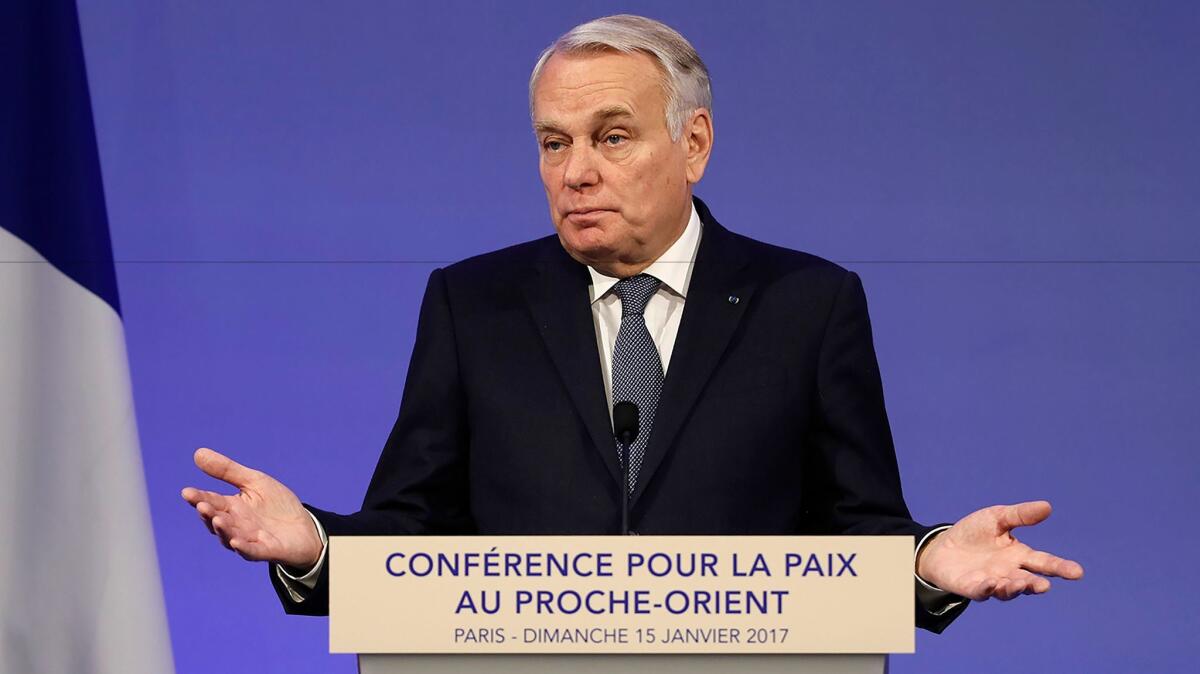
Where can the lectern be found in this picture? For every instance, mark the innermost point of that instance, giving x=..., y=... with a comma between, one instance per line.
x=614, y=604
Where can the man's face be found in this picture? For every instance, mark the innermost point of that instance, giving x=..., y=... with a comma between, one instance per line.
x=617, y=186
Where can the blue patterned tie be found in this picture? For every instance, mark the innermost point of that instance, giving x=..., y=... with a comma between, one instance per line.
x=637, y=374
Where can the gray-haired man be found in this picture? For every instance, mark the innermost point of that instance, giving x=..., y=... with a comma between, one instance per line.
x=753, y=365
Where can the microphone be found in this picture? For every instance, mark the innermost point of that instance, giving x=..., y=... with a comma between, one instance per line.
x=625, y=428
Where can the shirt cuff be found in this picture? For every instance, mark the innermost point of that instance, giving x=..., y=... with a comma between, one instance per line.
x=932, y=598
x=309, y=580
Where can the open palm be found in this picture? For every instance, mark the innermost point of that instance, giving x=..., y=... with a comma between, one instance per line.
x=264, y=521
x=979, y=558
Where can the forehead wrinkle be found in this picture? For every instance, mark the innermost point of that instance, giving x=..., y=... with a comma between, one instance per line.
x=623, y=106
x=604, y=114
x=610, y=111
x=577, y=97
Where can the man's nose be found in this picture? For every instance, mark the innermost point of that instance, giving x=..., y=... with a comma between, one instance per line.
x=581, y=169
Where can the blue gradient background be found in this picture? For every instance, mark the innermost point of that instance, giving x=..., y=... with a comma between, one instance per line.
x=1016, y=182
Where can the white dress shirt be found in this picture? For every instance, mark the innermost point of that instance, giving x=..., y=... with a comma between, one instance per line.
x=662, y=313
x=663, y=310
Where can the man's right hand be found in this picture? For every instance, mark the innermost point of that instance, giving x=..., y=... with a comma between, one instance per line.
x=264, y=521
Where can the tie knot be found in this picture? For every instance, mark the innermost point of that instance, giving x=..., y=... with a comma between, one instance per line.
x=635, y=292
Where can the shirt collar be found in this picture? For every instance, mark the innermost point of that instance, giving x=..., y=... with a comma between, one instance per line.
x=673, y=268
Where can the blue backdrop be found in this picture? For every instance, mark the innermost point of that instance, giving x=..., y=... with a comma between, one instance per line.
x=1016, y=182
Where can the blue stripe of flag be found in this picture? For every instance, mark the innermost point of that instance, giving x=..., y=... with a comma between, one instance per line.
x=51, y=193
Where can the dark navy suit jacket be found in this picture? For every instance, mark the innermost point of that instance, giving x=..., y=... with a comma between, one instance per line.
x=771, y=419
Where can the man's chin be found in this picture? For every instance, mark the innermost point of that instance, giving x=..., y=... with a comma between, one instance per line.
x=594, y=253
x=597, y=260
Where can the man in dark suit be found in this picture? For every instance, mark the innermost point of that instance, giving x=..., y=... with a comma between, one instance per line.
x=753, y=367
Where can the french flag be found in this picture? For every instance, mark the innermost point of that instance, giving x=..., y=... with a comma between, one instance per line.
x=79, y=585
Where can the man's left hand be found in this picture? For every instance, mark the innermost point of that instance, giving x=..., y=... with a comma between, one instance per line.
x=979, y=558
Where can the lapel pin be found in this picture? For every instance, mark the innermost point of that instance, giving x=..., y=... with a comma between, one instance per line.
x=734, y=299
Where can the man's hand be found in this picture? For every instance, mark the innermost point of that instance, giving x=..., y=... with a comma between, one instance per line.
x=979, y=558
x=264, y=521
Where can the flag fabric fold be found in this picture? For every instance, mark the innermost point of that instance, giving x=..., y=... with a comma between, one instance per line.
x=79, y=583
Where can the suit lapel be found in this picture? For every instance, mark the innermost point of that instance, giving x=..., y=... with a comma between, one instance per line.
x=558, y=299
x=708, y=322
x=557, y=295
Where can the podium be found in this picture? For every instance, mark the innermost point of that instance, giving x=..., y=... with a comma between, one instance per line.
x=620, y=664
x=657, y=604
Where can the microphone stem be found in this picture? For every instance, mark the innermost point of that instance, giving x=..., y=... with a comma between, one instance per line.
x=624, y=488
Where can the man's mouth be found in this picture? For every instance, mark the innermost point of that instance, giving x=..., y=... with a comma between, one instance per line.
x=586, y=216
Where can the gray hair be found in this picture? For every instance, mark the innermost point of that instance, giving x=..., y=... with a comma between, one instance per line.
x=685, y=77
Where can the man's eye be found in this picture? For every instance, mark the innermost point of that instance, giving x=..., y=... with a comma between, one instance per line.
x=614, y=139
x=553, y=145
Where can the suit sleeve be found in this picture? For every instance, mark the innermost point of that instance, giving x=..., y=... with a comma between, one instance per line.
x=420, y=482
x=852, y=480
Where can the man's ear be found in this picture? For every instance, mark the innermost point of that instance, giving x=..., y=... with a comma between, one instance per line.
x=698, y=134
